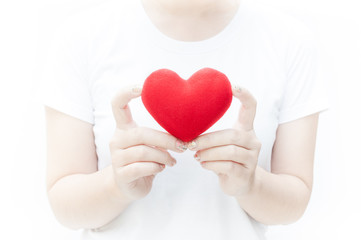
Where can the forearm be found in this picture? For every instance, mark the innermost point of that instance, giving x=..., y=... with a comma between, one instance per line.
x=275, y=198
x=87, y=200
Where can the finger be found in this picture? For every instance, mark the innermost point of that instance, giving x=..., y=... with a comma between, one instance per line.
x=138, y=170
x=146, y=136
x=238, y=137
x=247, y=112
x=228, y=168
x=121, y=111
x=226, y=153
x=141, y=153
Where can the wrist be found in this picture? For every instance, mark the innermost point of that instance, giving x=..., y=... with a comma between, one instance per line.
x=112, y=189
x=254, y=186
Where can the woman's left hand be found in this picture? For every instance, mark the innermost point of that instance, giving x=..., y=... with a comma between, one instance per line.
x=233, y=153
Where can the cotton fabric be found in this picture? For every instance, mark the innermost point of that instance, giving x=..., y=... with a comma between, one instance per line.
x=100, y=50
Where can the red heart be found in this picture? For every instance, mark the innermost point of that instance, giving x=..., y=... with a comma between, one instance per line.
x=187, y=108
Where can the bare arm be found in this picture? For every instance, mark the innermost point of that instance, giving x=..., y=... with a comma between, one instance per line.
x=281, y=197
x=276, y=197
x=80, y=196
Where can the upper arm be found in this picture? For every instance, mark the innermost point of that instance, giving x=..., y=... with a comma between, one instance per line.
x=293, y=150
x=70, y=146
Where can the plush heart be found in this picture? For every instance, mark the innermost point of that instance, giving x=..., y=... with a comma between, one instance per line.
x=187, y=108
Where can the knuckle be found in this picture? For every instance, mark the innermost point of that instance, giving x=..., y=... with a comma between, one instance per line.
x=164, y=158
x=232, y=151
x=252, y=99
x=118, y=96
x=164, y=140
x=140, y=169
x=136, y=134
x=170, y=142
x=117, y=158
x=116, y=140
x=205, y=139
x=229, y=167
x=141, y=152
x=156, y=168
x=170, y=160
x=133, y=171
x=255, y=142
x=236, y=135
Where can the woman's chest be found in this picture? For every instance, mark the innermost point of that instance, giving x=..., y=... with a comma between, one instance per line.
x=249, y=68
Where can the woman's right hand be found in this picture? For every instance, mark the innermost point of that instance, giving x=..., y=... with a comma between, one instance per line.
x=137, y=153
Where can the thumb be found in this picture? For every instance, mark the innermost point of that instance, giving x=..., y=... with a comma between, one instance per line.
x=121, y=111
x=247, y=111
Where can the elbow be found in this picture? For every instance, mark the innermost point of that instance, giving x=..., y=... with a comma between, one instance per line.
x=295, y=216
x=293, y=211
x=61, y=210
x=301, y=203
x=61, y=205
x=298, y=209
x=60, y=196
x=292, y=216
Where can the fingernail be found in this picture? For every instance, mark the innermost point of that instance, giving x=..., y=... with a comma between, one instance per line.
x=180, y=145
x=137, y=89
x=237, y=88
x=197, y=157
x=192, y=145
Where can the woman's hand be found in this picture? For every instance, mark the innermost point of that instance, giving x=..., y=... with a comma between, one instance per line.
x=137, y=153
x=233, y=153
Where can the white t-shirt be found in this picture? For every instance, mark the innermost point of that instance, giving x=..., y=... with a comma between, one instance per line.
x=98, y=51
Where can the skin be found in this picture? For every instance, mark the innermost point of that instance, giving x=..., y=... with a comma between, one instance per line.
x=277, y=197
x=83, y=197
x=194, y=20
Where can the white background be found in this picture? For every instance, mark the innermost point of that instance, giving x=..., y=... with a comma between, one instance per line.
x=26, y=28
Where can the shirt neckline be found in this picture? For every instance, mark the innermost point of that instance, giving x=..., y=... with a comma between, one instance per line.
x=190, y=47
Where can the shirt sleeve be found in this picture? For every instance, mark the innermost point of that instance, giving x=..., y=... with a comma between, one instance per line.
x=65, y=83
x=305, y=92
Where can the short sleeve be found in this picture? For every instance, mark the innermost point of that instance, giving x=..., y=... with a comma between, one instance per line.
x=65, y=84
x=306, y=91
